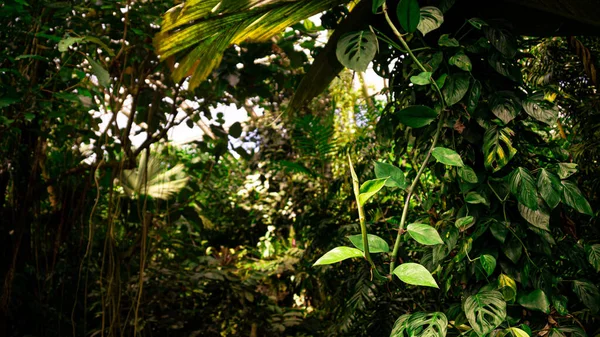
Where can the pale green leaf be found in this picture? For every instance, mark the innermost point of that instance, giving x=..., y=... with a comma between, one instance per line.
x=369, y=188
x=485, y=311
x=338, y=254
x=488, y=263
x=447, y=156
x=376, y=244
x=356, y=50
x=431, y=19
x=424, y=234
x=565, y=170
x=415, y=274
x=462, y=61
x=423, y=78
x=394, y=174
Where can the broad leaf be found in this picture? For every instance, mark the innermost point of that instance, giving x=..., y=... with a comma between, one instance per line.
x=540, y=109
x=473, y=98
x=540, y=217
x=415, y=274
x=508, y=287
x=394, y=174
x=417, y=116
x=376, y=244
x=502, y=40
x=513, y=249
x=400, y=326
x=535, y=300
x=101, y=74
x=550, y=188
x=464, y=223
x=462, y=61
x=423, y=78
x=505, y=105
x=369, y=188
x=593, y=255
x=485, y=311
x=446, y=41
x=522, y=186
x=338, y=254
x=505, y=67
x=573, y=197
x=476, y=198
x=447, y=156
x=376, y=5
x=514, y=332
x=467, y=174
x=588, y=294
x=409, y=15
x=64, y=44
x=499, y=230
x=455, y=88
x=565, y=170
x=497, y=148
x=488, y=263
x=420, y=324
x=424, y=234
x=560, y=304
x=431, y=19
x=356, y=50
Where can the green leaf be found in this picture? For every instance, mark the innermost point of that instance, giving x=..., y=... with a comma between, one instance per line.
x=446, y=41
x=522, y=186
x=441, y=80
x=540, y=109
x=593, y=255
x=467, y=174
x=376, y=5
x=588, y=294
x=508, y=287
x=513, y=249
x=417, y=116
x=462, y=61
x=409, y=15
x=560, y=304
x=431, y=19
x=497, y=148
x=485, y=311
x=400, y=326
x=101, y=73
x=505, y=105
x=476, y=198
x=356, y=50
x=415, y=274
x=502, y=40
x=464, y=223
x=565, y=170
x=488, y=263
x=505, y=67
x=447, y=156
x=573, y=197
x=514, y=332
x=499, y=230
x=376, y=244
x=235, y=130
x=338, y=254
x=456, y=87
x=423, y=78
x=549, y=187
x=424, y=234
x=394, y=174
x=64, y=44
x=535, y=300
x=477, y=22
x=421, y=324
x=369, y=188
x=540, y=217
x=473, y=98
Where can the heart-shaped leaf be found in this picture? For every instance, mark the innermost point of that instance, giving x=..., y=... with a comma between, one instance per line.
x=540, y=217
x=431, y=19
x=424, y=234
x=338, y=254
x=505, y=105
x=523, y=187
x=593, y=255
x=462, y=61
x=508, y=287
x=356, y=50
x=565, y=170
x=417, y=116
x=409, y=15
x=573, y=197
x=376, y=244
x=540, y=109
x=488, y=263
x=455, y=88
x=447, y=156
x=467, y=174
x=535, y=300
x=415, y=274
x=549, y=187
x=394, y=174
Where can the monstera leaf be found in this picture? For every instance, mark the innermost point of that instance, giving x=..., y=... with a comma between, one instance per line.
x=421, y=324
x=497, y=148
x=485, y=311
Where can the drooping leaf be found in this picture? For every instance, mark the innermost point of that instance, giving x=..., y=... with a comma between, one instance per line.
x=462, y=61
x=499, y=230
x=488, y=263
x=455, y=88
x=415, y=274
x=64, y=44
x=441, y=80
x=400, y=326
x=535, y=300
x=424, y=234
x=101, y=74
x=464, y=223
x=565, y=170
x=588, y=294
x=540, y=217
x=409, y=15
x=423, y=78
x=376, y=244
x=540, y=109
x=593, y=255
x=431, y=19
x=485, y=311
x=473, y=98
x=497, y=148
x=417, y=116
x=356, y=50
x=522, y=186
x=369, y=188
x=502, y=40
x=508, y=287
x=513, y=249
x=394, y=174
x=573, y=197
x=467, y=174
x=560, y=304
x=446, y=41
x=476, y=198
x=338, y=254
x=505, y=105
x=447, y=156
x=549, y=187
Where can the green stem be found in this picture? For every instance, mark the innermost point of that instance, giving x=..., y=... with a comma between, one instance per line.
x=433, y=144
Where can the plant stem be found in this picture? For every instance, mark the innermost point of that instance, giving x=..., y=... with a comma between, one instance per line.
x=433, y=144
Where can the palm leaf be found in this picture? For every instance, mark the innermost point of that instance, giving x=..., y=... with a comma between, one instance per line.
x=201, y=30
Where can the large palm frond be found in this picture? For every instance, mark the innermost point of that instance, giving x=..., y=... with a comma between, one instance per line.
x=201, y=30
